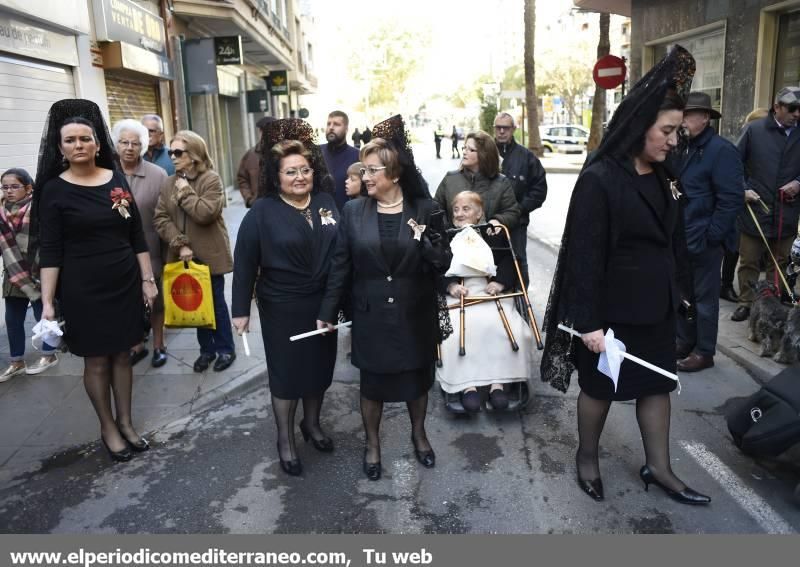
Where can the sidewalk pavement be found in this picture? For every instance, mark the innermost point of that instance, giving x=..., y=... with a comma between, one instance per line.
x=43, y=415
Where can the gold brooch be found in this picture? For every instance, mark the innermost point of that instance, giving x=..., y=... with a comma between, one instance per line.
x=417, y=228
x=326, y=217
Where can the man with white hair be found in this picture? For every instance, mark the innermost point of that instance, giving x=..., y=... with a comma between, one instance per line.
x=156, y=150
x=710, y=172
x=770, y=150
x=528, y=179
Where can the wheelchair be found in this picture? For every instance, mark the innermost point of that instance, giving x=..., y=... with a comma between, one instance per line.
x=519, y=392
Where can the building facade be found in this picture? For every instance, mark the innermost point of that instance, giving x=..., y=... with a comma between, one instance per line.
x=746, y=50
x=45, y=56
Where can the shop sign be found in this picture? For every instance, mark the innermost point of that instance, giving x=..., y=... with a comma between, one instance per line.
x=22, y=38
x=122, y=20
x=278, y=83
x=228, y=50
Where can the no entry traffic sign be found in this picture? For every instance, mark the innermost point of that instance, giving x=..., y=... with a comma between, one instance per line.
x=609, y=72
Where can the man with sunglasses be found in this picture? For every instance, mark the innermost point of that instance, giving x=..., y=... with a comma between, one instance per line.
x=770, y=150
x=156, y=150
x=527, y=177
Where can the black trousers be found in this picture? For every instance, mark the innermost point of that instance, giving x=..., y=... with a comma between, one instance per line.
x=702, y=332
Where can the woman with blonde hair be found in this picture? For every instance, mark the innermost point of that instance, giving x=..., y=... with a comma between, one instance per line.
x=189, y=219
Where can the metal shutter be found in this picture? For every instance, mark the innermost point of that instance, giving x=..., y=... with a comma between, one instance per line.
x=27, y=90
x=130, y=98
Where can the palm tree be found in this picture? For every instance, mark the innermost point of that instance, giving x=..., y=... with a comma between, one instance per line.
x=599, y=101
x=534, y=140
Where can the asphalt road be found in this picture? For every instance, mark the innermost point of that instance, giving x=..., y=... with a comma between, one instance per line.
x=218, y=472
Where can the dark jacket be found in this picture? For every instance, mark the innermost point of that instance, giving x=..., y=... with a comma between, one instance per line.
x=160, y=157
x=624, y=263
x=771, y=159
x=527, y=177
x=338, y=159
x=395, y=313
x=497, y=194
x=711, y=175
x=248, y=175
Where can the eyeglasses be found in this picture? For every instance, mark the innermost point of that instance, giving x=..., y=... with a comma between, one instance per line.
x=370, y=171
x=465, y=149
x=13, y=186
x=295, y=171
x=500, y=128
x=176, y=153
x=129, y=144
x=792, y=108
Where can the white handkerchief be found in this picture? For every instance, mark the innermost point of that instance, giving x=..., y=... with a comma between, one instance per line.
x=611, y=359
x=47, y=331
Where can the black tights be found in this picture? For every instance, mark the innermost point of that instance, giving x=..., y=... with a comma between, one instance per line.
x=285, y=411
x=652, y=413
x=372, y=412
x=103, y=375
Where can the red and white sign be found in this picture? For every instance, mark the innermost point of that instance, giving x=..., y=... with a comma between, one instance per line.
x=609, y=72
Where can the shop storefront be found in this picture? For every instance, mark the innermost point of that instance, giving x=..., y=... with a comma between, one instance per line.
x=135, y=60
x=36, y=69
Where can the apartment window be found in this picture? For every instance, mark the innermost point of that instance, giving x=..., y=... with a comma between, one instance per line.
x=787, y=60
x=708, y=50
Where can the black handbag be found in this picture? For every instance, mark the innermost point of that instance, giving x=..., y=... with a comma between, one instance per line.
x=767, y=423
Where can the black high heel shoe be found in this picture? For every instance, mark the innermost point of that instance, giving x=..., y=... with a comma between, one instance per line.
x=293, y=467
x=685, y=496
x=426, y=458
x=325, y=444
x=140, y=446
x=372, y=470
x=122, y=456
x=594, y=488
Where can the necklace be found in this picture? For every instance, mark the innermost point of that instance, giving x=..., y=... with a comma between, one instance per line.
x=390, y=205
x=298, y=207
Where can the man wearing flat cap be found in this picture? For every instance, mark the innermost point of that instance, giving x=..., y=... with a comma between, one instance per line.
x=710, y=172
x=770, y=150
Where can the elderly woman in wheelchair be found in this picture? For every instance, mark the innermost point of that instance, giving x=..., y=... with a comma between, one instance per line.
x=494, y=349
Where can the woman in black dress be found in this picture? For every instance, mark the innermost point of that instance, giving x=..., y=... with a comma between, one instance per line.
x=94, y=260
x=620, y=266
x=284, y=248
x=388, y=257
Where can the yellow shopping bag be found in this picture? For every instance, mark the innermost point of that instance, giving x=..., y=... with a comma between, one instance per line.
x=188, y=301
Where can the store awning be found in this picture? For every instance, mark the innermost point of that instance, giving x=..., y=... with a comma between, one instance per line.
x=263, y=42
x=621, y=7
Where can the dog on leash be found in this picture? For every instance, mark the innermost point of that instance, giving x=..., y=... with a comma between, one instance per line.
x=768, y=320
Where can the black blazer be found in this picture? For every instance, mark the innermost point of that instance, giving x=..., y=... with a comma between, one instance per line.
x=626, y=263
x=395, y=314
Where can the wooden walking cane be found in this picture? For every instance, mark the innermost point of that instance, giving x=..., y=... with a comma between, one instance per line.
x=506, y=326
x=534, y=327
x=461, y=350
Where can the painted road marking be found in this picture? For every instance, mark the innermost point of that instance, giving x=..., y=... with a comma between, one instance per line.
x=753, y=504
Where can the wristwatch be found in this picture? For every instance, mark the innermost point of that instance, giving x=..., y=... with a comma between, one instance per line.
x=151, y=279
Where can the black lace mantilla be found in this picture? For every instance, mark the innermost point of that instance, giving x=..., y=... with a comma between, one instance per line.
x=290, y=129
x=635, y=114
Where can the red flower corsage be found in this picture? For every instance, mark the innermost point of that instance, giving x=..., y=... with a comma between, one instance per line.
x=122, y=200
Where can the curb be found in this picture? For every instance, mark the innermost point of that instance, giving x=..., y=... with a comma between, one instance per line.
x=242, y=384
x=561, y=169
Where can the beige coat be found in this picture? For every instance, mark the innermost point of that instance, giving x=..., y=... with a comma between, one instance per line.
x=194, y=219
x=145, y=184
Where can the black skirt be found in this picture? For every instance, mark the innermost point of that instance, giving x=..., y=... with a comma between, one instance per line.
x=653, y=343
x=302, y=368
x=396, y=387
